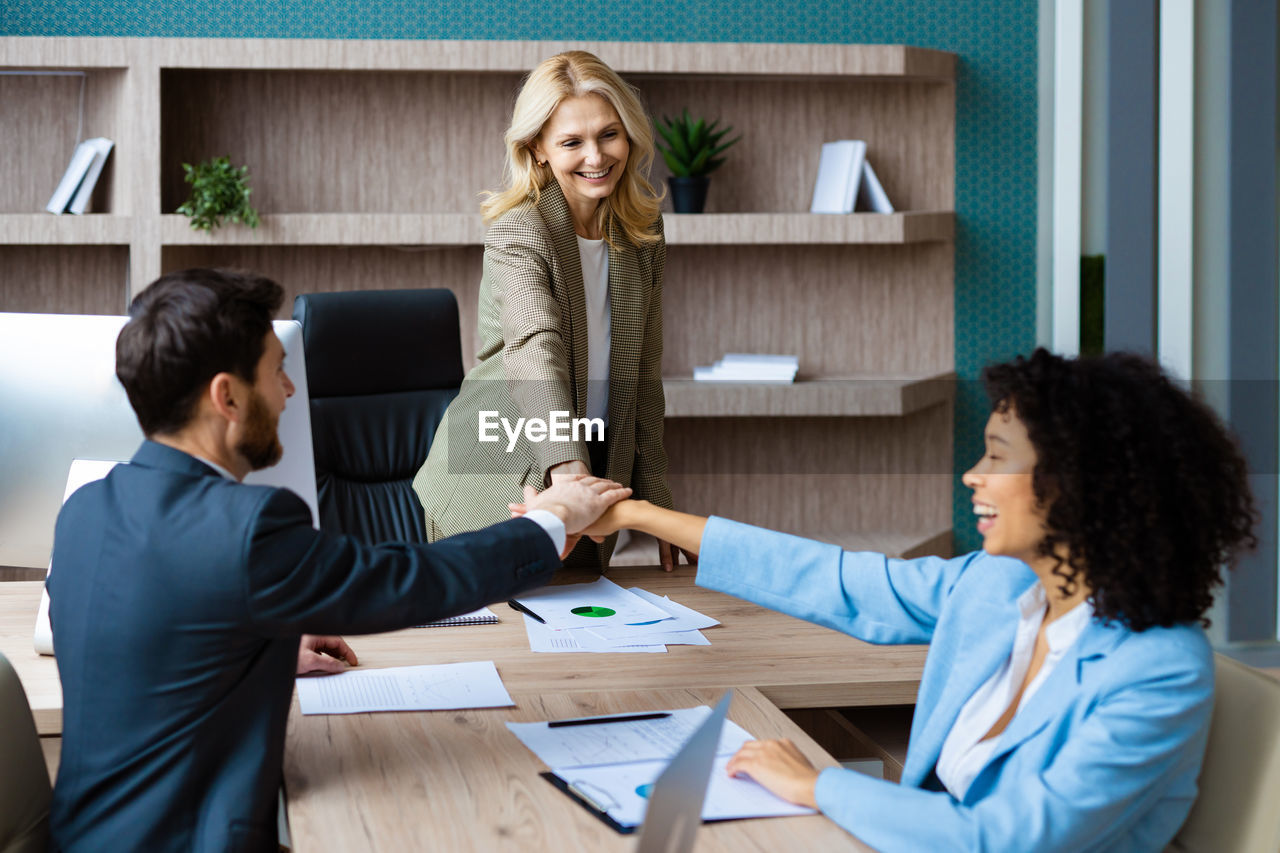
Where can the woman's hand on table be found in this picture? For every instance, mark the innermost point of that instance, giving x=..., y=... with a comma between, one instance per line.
x=779, y=766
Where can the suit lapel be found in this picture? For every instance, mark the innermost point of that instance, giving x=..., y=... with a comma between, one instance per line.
x=1055, y=694
x=627, y=309
x=977, y=654
x=555, y=213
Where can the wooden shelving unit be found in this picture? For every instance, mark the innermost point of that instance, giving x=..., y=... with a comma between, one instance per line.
x=366, y=160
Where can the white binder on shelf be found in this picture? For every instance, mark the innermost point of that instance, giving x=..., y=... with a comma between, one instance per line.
x=839, y=171
x=101, y=150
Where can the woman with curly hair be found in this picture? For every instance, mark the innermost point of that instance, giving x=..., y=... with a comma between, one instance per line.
x=1067, y=691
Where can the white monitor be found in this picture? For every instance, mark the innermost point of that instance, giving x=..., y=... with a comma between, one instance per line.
x=60, y=400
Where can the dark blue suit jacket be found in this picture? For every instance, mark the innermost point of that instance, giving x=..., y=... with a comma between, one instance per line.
x=177, y=598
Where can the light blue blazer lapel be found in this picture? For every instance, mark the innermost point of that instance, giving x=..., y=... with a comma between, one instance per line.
x=555, y=213
x=1055, y=696
x=971, y=654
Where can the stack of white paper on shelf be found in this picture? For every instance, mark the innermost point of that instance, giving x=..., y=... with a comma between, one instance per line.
x=603, y=617
x=749, y=367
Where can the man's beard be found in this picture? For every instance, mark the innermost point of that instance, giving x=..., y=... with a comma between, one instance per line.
x=260, y=444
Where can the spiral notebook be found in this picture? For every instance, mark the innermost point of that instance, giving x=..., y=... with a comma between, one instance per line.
x=483, y=616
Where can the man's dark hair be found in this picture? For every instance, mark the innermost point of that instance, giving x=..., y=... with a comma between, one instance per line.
x=183, y=330
x=1145, y=486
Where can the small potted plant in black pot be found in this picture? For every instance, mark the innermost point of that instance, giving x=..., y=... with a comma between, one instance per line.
x=692, y=153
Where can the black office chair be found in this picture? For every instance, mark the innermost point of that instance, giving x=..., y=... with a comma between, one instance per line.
x=382, y=366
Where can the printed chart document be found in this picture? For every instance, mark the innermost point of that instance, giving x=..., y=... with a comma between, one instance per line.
x=405, y=688
x=590, y=605
x=615, y=764
x=543, y=639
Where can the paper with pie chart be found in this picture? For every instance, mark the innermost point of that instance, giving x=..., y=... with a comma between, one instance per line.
x=405, y=688
x=596, y=604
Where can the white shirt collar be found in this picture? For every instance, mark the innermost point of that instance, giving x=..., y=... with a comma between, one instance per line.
x=1063, y=631
x=215, y=466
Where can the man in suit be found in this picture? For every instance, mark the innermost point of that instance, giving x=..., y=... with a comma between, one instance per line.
x=178, y=594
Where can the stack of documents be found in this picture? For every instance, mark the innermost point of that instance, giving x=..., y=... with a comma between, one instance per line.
x=603, y=617
x=746, y=367
x=614, y=764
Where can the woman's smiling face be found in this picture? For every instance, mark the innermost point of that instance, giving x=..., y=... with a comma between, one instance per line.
x=1010, y=519
x=585, y=144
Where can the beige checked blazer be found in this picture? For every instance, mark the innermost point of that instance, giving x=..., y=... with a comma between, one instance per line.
x=532, y=325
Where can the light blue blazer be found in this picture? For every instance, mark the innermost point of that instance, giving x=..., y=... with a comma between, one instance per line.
x=1104, y=756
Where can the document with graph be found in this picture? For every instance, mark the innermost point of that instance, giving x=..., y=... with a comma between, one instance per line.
x=405, y=688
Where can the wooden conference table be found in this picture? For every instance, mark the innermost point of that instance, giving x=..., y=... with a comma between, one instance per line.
x=459, y=780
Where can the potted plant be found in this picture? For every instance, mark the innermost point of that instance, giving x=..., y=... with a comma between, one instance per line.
x=692, y=153
x=218, y=190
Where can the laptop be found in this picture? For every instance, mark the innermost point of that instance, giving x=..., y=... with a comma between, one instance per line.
x=675, y=803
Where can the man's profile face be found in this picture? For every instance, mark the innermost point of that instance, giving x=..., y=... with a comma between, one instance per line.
x=260, y=444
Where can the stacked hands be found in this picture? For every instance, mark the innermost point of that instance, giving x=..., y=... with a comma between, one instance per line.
x=597, y=501
x=596, y=508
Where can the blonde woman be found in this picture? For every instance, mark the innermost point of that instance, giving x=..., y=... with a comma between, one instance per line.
x=570, y=314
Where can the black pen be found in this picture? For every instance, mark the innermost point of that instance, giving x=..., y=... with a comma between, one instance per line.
x=628, y=718
x=515, y=605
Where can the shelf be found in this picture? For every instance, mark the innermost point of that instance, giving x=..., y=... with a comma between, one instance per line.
x=333, y=229
x=45, y=229
x=643, y=551
x=706, y=229
x=517, y=57
x=867, y=396
x=466, y=229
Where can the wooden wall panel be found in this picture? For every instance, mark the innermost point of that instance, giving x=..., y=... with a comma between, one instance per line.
x=844, y=310
x=64, y=279
x=323, y=269
x=318, y=142
x=39, y=115
x=909, y=129
x=808, y=475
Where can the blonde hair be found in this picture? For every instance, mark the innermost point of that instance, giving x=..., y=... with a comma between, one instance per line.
x=634, y=203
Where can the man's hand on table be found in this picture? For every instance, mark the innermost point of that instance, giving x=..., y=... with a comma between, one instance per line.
x=327, y=655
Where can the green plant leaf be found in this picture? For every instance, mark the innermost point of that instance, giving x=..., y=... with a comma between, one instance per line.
x=218, y=190
x=678, y=168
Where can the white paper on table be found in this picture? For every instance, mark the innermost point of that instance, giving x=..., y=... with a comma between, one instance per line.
x=556, y=603
x=543, y=639
x=682, y=619
x=405, y=688
x=588, y=639
x=623, y=789
x=611, y=743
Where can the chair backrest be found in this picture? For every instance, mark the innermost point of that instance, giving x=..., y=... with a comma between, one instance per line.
x=382, y=367
x=1238, y=807
x=24, y=783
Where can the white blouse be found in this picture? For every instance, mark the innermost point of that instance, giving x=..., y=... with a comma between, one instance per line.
x=594, y=255
x=964, y=754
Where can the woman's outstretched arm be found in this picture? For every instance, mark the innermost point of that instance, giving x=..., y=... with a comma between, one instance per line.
x=678, y=528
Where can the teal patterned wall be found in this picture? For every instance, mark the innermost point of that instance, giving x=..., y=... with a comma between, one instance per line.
x=995, y=110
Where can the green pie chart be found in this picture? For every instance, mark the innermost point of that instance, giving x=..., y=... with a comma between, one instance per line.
x=593, y=611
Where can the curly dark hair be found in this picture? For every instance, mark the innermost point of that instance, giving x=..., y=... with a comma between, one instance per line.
x=1145, y=486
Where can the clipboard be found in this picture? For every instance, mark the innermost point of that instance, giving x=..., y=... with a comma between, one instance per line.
x=573, y=794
